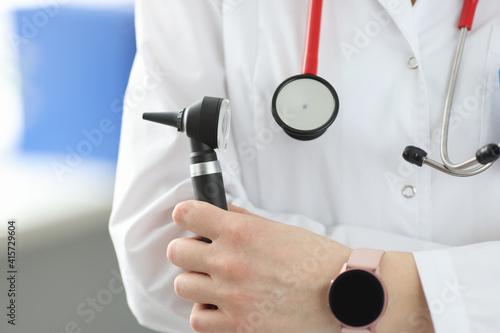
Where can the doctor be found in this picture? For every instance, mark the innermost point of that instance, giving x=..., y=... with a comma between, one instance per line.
x=302, y=209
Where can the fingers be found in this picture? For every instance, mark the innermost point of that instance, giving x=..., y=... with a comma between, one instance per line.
x=200, y=217
x=190, y=254
x=207, y=320
x=201, y=289
x=205, y=219
x=197, y=288
x=239, y=210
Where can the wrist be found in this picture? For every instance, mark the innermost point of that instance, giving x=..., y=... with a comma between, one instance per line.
x=407, y=308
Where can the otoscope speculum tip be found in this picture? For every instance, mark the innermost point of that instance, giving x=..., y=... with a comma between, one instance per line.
x=172, y=119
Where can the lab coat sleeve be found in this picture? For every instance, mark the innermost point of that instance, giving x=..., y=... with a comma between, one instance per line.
x=461, y=285
x=179, y=60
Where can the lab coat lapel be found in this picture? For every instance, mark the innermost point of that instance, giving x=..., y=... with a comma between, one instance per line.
x=401, y=12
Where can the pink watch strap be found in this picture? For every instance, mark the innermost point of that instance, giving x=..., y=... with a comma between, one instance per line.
x=368, y=259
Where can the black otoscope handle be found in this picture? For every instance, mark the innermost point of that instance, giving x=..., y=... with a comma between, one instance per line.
x=210, y=188
x=206, y=176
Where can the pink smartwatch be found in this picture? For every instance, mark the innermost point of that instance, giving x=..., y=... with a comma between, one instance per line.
x=358, y=297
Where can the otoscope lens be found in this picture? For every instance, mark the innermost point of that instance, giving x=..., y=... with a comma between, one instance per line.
x=224, y=125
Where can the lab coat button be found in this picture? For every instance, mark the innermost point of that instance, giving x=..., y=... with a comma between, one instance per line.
x=409, y=191
x=412, y=63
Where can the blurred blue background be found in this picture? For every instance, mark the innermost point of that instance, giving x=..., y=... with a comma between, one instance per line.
x=73, y=65
x=64, y=67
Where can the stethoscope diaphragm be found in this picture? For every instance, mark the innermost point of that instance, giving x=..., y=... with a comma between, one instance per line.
x=305, y=106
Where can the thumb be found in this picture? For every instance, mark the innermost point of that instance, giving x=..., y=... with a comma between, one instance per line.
x=239, y=210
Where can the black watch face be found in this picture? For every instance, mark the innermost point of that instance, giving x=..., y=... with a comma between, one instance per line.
x=357, y=298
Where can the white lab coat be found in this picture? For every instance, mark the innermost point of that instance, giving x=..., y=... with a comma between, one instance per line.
x=348, y=183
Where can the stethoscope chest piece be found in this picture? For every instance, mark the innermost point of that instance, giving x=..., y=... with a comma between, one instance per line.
x=305, y=106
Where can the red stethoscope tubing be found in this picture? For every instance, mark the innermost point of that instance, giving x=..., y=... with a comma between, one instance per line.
x=310, y=62
x=467, y=16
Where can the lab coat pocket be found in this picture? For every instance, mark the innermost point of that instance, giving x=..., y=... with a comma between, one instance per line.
x=490, y=123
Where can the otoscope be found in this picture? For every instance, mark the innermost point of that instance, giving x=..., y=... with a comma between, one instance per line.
x=207, y=123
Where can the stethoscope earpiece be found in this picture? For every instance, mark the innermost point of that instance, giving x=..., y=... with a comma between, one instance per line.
x=488, y=154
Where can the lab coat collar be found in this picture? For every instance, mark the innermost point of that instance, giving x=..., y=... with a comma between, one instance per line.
x=401, y=12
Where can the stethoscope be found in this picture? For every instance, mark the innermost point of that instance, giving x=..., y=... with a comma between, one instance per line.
x=306, y=105
x=486, y=155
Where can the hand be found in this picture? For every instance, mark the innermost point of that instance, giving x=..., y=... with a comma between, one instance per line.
x=257, y=275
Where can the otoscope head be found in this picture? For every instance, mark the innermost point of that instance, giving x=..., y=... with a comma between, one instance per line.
x=207, y=121
x=414, y=155
x=487, y=154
